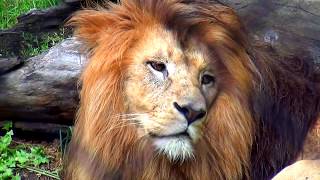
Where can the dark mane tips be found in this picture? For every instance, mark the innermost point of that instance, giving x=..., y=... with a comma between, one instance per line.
x=286, y=106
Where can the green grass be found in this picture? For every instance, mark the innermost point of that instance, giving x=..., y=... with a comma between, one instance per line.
x=11, y=9
x=21, y=157
x=34, y=45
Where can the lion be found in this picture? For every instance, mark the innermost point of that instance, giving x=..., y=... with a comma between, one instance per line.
x=175, y=89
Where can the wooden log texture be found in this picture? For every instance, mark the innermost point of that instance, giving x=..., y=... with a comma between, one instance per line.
x=44, y=88
x=289, y=26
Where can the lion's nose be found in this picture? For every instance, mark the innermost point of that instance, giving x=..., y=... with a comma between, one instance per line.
x=189, y=113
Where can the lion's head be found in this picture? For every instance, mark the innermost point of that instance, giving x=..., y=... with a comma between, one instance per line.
x=169, y=88
x=166, y=93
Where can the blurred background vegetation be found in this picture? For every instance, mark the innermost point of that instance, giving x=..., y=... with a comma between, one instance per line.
x=25, y=39
x=11, y=9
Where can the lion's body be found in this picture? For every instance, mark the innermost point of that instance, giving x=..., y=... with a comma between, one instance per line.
x=150, y=57
x=304, y=169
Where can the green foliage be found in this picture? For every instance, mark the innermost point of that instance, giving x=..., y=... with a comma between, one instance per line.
x=35, y=45
x=15, y=158
x=11, y=9
x=7, y=125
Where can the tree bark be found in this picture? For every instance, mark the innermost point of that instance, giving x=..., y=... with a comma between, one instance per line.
x=43, y=88
x=289, y=26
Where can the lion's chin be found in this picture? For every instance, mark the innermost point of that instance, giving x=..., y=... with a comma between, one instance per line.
x=176, y=148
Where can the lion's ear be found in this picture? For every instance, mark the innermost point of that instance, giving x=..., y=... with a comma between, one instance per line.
x=89, y=25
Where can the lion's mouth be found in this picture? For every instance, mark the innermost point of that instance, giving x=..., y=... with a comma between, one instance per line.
x=180, y=134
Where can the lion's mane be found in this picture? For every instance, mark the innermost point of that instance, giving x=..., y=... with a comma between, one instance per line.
x=256, y=126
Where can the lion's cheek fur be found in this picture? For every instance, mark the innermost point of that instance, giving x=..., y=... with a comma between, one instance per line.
x=231, y=129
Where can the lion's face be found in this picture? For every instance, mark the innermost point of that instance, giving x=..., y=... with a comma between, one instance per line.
x=169, y=89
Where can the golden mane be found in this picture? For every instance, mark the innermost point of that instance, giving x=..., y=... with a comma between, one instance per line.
x=231, y=148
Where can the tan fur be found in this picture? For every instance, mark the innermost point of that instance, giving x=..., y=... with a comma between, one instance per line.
x=304, y=169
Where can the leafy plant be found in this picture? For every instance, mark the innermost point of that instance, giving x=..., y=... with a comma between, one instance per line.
x=15, y=158
x=7, y=125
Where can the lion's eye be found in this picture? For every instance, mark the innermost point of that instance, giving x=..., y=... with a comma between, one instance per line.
x=158, y=66
x=207, y=79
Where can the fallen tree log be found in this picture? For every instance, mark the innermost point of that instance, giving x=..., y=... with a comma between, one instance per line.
x=44, y=88
x=45, y=20
x=8, y=63
x=289, y=26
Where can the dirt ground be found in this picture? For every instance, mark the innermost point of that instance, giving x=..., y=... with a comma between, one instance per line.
x=52, y=151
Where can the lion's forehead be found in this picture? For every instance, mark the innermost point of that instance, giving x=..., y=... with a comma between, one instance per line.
x=161, y=42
